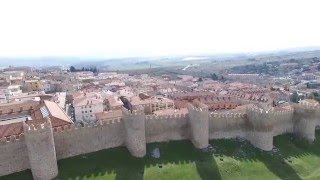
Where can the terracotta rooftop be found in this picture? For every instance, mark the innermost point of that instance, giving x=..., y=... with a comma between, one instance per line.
x=36, y=116
x=136, y=100
x=108, y=115
x=114, y=101
x=83, y=101
x=56, y=111
x=11, y=129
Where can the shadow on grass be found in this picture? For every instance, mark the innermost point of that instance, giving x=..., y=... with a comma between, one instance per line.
x=118, y=164
x=277, y=161
x=279, y=167
x=207, y=167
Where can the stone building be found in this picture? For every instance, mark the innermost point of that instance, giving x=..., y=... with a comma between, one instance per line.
x=86, y=105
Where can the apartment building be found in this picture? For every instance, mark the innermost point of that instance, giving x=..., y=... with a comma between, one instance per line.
x=86, y=105
x=32, y=85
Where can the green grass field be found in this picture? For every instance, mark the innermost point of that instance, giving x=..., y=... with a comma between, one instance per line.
x=296, y=159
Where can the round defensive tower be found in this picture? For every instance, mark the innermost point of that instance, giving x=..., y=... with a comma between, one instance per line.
x=199, y=125
x=260, y=124
x=41, y=150
x=305, y=117
x=134, y=122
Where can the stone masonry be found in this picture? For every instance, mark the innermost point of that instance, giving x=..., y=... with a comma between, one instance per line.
x=40, y=146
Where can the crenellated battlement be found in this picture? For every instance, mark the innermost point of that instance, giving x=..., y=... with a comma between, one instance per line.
x=36, y=127
x=307, y=105
x=257, y=124
x=260, y=114
x=11, y=139
x=139, y=110
x=65, y=128
x=289, y=111
x=259, y=110
x=73, y=127
x=197, y=107
x=172, y=116
x=112, y=121
x=226, y=115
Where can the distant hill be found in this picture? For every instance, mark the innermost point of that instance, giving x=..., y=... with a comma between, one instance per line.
x=154, y=62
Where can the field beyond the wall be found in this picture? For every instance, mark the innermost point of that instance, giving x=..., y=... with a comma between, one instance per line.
x=291, y=158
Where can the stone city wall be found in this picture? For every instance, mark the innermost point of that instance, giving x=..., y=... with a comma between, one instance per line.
x=226, y=125
x=284, y=122
x=14, y=155
x=166, y=128
x=71, y=140
x=41, y=145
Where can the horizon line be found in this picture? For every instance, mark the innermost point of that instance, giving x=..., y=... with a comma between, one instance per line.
x=293, y=49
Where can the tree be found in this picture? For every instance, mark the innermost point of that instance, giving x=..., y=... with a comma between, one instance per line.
x=95, y=70
x=200, y=80
x=315, y=96
x=72, y=69
x=295, y=97
x=214, y=76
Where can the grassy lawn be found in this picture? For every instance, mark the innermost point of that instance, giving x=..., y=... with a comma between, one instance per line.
x=294, y=159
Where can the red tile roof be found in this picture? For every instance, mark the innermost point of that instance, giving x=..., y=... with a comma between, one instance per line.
x=57, y=116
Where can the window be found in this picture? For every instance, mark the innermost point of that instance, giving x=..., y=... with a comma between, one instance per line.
x=44, y=112
x=82, y=112
x=86, y=111
x=90, y=110
x=89, y=106
x=81, y=107
x=90, y=115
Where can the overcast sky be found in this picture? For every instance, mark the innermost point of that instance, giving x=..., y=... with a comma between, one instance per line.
x=121, y=28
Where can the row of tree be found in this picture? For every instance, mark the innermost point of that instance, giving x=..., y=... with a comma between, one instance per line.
x=296, y=98
x=92, y=69
x=215, y=77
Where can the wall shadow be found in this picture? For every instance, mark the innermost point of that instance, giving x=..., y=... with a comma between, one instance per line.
x=279, y=160
x=207, y=167
x=118, y=162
